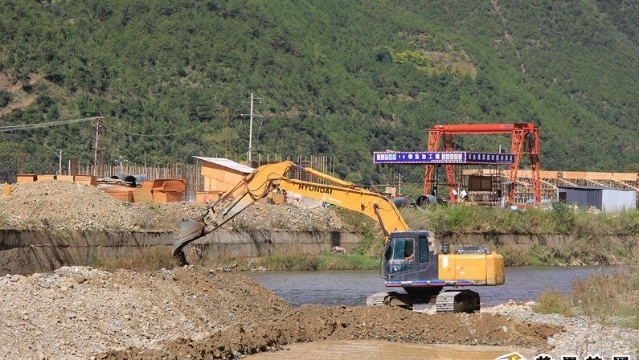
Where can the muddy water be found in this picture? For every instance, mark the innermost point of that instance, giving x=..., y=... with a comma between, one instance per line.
x=381, y=350
x=352, y=287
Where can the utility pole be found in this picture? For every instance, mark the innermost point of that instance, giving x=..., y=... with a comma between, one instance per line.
x=120, y=161
x=251, y=116
x=97, y=160
x=59, y=162
x=228, y=134
x=95, y=148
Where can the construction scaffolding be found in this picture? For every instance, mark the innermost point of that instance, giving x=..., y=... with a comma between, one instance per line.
x=524, y=143
x=484, y=186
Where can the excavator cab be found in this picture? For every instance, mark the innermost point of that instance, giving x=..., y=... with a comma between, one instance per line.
x=408, y=255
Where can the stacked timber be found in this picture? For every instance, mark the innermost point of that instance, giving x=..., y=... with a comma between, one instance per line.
x=80, y=179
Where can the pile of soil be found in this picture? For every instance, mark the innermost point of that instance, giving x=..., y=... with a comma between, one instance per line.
x=62, y=205
x=83, y=313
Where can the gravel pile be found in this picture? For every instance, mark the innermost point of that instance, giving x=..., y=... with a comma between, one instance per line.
x=261, y=216
x=61, y=205
x=582, y=336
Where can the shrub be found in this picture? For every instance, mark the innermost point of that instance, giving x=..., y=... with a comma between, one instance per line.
x=5, y=98
x=553, y=302
x=604, y=295
x=563, y=217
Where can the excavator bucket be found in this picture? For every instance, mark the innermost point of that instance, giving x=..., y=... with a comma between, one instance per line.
x=186, y=231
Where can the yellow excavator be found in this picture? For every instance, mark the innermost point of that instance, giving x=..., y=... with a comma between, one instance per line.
x=413, y=269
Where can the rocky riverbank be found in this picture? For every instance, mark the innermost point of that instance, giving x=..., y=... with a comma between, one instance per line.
x=581, y=335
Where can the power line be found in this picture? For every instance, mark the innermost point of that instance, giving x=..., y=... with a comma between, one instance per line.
x=47, y=124
x=157, y=135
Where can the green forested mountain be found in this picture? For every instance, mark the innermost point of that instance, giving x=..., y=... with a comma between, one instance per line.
x=336, y=77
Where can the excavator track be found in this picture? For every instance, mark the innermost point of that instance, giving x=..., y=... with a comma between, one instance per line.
x=457, y=301
x=446, y=301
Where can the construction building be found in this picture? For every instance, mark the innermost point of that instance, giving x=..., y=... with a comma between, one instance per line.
x=219, y=175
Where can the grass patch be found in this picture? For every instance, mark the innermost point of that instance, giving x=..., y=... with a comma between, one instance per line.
x=566, y=236
x=611, y=298
x=290, y=262
x=332, y=261
x=355, y=222
x=558, y=218
x=553, y=302
x=298, y=262
x=609, y=295
x=370, y=245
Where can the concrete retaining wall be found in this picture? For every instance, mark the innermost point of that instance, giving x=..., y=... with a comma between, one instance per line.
x=26, y=252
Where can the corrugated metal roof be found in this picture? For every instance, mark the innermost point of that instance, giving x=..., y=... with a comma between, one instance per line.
x=227, y=164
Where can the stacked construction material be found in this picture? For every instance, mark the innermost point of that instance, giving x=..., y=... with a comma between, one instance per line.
x=144, y=194
x=121, y=193
x=27, y=178
x=80, y=179
x=207, y=196
x=160, y=190
x=85, y=179
x=168, y=190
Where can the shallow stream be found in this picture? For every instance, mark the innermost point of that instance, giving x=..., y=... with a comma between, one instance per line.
x=351, y=288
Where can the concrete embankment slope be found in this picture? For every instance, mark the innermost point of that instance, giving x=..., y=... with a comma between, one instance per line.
x=30, y=251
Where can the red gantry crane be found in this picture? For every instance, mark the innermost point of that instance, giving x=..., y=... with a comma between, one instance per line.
x=525, y=141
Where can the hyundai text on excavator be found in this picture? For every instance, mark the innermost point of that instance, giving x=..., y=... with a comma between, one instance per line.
x=410, y=260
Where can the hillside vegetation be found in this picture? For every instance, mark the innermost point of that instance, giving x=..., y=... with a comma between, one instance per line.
x=339, y=78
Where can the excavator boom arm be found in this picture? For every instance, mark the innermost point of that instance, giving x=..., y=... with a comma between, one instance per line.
x=371, y=204
x=266, y=178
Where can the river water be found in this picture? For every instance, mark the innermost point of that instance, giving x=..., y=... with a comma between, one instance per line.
x=351, y=288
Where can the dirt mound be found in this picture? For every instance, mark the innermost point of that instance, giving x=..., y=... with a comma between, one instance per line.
x=261, y=216
x=51, y=204
x=80, y=313
x=60, y=205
